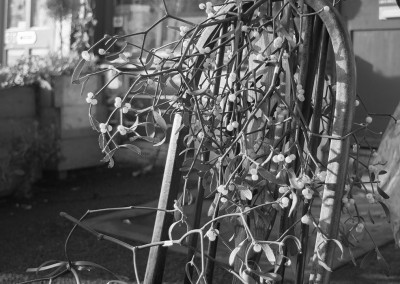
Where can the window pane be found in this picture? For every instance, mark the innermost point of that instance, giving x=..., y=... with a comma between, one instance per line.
x=16, y=14
x=13, y=55
x=40, y=52
x=39, y=14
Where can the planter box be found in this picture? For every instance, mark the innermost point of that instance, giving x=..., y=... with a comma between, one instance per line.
x=68, y=113
x=18, y=113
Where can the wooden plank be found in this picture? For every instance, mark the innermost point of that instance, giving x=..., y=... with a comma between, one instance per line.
x=11, y=128
x=66, y=94
x=79, y=153
x=17, y=102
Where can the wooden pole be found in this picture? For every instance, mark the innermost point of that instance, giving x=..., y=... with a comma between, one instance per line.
x=169, y=192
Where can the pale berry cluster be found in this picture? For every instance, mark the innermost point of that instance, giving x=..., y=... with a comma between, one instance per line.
x=300, y=92
x=209, y=61
x=284, y=202
x=121, y=129
x=86, y=55
x=370, y=197
x=245, y=28
x=321, y=176
x=368, y=120
x=306, y=219
x=254, y=173
x=278, y=41
x=104, y=127
x=280, y=158
x=208, y=7
x=232, y=125
x=347, y=202
x=307, y=192
x=256, y=35
x=118, y=102
x=257, y=247
x=212, y=234
x=183, y=30
x=126, y=107
x=360, y=227
x=90, y=99
x=205, y=50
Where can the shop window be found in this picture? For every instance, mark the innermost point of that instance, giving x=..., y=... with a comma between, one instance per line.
x=43, y=52
x=16, y=14
x=39, y=14
x=13, y=55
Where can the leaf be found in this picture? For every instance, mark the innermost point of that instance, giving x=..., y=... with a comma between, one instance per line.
x=367, y=259
x=268, y=176
x=77, y=72
x=269, y=253
x=382, y=262
x=162, y=141
x=245, y=193
x=269, y=276
x=372, y=176
x=133, y=148
x=149, y=59
x=159, y=120
x=293, y=179
x=386, y=209
x=173, y=84
x=233, y=255
x=102, y=141
x=382, y=193
x=94, y=123
x=150, y=129
x=199, y=92
x=339, y=244
x=370, y=216
x=109, y=158
x=234, y=252
x=324, y=265
x=213, y=206
x=137, y=87
x=294, y=203
x=230, y=168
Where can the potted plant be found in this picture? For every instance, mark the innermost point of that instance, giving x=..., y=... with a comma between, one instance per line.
x=252, y=108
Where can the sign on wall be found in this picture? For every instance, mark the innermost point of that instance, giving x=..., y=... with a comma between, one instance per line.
x=388, y=9
x=20, y=38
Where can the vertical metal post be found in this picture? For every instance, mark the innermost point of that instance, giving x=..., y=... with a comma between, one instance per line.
x=339, y=148
x=169, y=191
x=315, y=125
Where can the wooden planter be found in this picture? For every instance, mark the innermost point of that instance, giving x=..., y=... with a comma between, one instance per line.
x=68, y=113
x=18, y=113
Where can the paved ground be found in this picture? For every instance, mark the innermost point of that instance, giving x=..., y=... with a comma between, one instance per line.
x=32, y=232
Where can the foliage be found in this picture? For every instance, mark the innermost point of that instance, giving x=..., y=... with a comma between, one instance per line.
x=29, y=153
x=31, y=70
x=83, y=25
x=60, y=9
x=255, y=131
